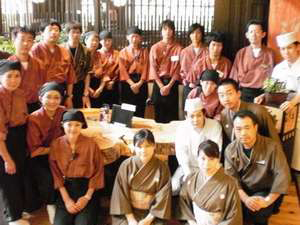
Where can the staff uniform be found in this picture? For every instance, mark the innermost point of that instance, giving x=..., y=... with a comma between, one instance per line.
x=164, y=65
x=77, y=172
x=135, y=67
x=189, y=69
x=291, y=76
x=33, y=76
x=109, y=64
x=212, y=200
x=250, y=71
x=13, y=115
x=141, y=189
x=41, y=131
x=58, y=64
x=211, y=103
x=81, y=61
x=264, y=171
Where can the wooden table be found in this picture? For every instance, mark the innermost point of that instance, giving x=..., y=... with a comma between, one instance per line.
x=108, y=136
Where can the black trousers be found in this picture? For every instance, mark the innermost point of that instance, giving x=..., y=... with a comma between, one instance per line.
x=262, y=216
x=78, y=90
x=43, y=179
x=248, y=94
x=109, y=97
x=77, y=187
x=165, y=107
x=12, y=186
x=139, y=100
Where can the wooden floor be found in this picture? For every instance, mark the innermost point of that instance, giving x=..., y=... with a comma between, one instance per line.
x=289, y=212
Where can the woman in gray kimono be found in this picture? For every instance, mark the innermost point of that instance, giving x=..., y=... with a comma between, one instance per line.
x=209, y=196
x=142, y=189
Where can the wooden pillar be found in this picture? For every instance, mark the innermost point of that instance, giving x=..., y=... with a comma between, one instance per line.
x=0, y=17
x=284, y=17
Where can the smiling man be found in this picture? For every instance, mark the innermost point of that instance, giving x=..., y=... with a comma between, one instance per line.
x=259, y=166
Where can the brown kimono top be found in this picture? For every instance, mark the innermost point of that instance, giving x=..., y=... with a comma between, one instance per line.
x=57, y=64
x=165, y=60
x=267, y=167
x=189, y=63
x=266, y=125
x=42, y=130
x=13, y=110
x=96, y=64
x=110, y=64
x=217, y=195
x=129, y=63
x=152, y=178
x=211, y=103
x=32, y=78
x=81, y=61
x=88, y=162
x=249, y=71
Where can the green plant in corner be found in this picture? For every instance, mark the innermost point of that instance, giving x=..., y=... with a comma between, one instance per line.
x=272, y=85
x=7, y=45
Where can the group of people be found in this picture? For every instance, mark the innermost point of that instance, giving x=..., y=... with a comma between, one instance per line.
x=232, y=168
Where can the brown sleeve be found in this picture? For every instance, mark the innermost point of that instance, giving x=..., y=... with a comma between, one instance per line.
x=153, y=65
x=175, y=66
x=33, y=136
x=145, y=71
x=162, y=206
x=233, y=209
x=234, y=74
x=120, y=199
x=3, y=128
x=71, y=77
x=97, y=180
x=229, y=165
x=281, y=171
x=123, y=66
x=185, y=207
x=56, y=172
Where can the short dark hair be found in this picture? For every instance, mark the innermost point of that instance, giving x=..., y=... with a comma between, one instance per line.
x=255, y=22
x=246, y=113
x=229, y=81
x=51, y=23
x=27, y=30
x=210, y=149
x=73, y=26
x=194, y=27
x=143, y=135
x=168, y=23
x=215, y=36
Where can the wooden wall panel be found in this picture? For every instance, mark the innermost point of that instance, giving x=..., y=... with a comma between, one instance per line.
x=284, y=17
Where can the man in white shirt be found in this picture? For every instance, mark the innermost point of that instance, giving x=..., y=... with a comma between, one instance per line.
x=190, y=134
x=288, y=71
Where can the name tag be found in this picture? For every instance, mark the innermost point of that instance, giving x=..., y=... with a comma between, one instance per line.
x=261, y=162
x=174, y=58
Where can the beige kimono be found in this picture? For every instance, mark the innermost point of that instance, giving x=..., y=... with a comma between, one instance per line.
x=141, y=189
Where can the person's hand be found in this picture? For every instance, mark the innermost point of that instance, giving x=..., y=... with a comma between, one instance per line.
x=287, y=106
x=86, y=102
x=135, y=88
x=145, y=222
x=71, y=206
x=69, y=103
x=259, y=99
x=132, y=222
x=10, y=167
x=82, y=202
x=98, y=92
x=165, y=90
x=253, y=203
x=91, y=91
x=109, y=85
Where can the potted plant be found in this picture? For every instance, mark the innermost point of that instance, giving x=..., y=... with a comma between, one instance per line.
x=275, y=92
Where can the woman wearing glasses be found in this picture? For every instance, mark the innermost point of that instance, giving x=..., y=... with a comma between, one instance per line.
x=76, y=163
